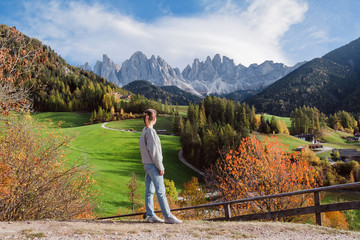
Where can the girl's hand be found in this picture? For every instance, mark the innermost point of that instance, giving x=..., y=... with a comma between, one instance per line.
x=162, y=172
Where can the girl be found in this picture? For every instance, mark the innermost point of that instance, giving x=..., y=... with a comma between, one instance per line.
x=151, y=156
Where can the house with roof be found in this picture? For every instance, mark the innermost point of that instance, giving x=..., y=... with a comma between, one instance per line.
x=347, y=155
x=306, y=137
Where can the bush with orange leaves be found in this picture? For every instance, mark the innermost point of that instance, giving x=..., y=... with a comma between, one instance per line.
x=335, y=220
x=36, y=179
x=259, y=168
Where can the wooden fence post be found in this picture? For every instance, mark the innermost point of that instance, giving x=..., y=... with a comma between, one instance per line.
x=317, y=212
x=227, y=211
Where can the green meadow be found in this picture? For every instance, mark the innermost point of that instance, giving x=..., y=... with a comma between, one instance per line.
x=67, y=119
x=138, y=124
x=113, y=156
x=284, y=119
x=290, y=142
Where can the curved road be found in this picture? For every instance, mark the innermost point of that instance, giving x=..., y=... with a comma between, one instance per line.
x=180, y=155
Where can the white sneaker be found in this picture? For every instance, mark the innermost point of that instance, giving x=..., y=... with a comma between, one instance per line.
x=172, y=220
x=154, y=219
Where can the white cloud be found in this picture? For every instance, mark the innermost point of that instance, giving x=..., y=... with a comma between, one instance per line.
x=83, y=32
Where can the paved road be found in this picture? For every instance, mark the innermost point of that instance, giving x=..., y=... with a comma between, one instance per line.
x=324, y=149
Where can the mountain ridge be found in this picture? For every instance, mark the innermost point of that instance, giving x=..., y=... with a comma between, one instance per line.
x=330, y=83
x=212, y=76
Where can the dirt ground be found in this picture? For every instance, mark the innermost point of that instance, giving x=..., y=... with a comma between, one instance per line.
x=50, y=229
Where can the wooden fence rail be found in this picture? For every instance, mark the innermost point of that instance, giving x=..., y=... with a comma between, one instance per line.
x=317, y=209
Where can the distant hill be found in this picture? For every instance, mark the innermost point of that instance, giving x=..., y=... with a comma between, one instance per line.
x=239, y=95
x=171, y=94
x=59, y=87
x=329, y=83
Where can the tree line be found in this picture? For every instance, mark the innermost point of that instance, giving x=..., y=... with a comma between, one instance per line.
x=216, y=124
x=309, y=120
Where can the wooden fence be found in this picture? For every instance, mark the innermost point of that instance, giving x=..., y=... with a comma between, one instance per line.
x=317, y=209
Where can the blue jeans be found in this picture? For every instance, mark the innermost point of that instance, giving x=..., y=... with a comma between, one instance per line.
x=155, y=182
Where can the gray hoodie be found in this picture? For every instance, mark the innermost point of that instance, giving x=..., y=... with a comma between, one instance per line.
x=150, y=148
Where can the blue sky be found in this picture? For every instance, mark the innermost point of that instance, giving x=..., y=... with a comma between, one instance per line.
x=248, y=31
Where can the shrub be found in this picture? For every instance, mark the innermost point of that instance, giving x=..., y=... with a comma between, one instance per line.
x=192, y=195
x=335, y=220
x=39, y=181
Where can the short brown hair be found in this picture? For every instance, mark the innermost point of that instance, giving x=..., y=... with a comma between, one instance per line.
x=148, y=116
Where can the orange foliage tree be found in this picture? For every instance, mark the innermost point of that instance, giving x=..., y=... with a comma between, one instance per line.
x=259, y=168
x=36, y=179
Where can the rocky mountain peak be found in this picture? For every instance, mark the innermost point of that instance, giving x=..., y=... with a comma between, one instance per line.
x=216, y=75
x=85, y=67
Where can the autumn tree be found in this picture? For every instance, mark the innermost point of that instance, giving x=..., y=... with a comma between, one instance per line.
x=16, y=60
x=259, y=168
x=38, y=181
x=133, y=193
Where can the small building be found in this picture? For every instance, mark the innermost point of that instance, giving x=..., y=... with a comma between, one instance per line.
x=352, y=139
x=123, y=97
x=347, y=155
x=315, y=145
x=306, y=137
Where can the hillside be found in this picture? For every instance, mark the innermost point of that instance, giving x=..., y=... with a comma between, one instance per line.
x=171, y=94
x=329, y=83
x=58, y=86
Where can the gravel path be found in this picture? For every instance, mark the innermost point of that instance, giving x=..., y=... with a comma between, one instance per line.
x=49, y=229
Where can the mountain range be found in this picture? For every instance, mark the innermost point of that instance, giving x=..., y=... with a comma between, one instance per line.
x=212, y=76
x=330, y=83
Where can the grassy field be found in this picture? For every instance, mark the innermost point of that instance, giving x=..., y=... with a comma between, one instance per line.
x=114, y=155
x=68, y=119
x=284, y=119
x=334, y=139
x=138, y=124
x=286, y=140
x=183, y=110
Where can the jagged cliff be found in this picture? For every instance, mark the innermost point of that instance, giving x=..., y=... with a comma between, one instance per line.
x=213, y=76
